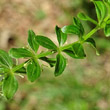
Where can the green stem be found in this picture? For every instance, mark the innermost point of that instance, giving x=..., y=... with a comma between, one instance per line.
x=43, y=54
x=85, y=38
x=17, y=67
x=68, y=46
x=91, y=33
x=92, y=20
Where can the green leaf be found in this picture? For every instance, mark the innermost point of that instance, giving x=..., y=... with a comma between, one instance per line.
x=84, y=17
x=60, y=65
x=33, y=71
x=78, y=50
x=5, y=59
x=107, y=30
x=71, y=29
x=50, y=61
x=21, y=70
x=31, y=41
x=10, y=86
x=45, y=42
x=78, y=24
x=70, y=52
x=20, y=53
x=100, y=10
x=61, y=37
x=93, y=44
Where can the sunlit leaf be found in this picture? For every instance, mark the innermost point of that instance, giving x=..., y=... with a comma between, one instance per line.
x=33, y=71
x=20, y=53
x=10, y=86
x=45, y=42
x=5, y=59
x=31, y=41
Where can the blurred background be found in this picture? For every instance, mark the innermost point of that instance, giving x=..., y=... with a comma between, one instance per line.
x=85, y=84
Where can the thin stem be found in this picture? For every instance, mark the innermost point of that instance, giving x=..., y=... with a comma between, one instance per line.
x=91, y=33
x=68, y=46
x=43, y=54
x=17, y=67
x=92, y=20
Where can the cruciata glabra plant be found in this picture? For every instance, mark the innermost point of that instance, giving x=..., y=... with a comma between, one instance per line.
x=32, y=68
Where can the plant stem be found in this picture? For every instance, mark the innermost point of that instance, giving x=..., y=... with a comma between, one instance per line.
x=91, y=33
x=43, y=54
x=17, y=67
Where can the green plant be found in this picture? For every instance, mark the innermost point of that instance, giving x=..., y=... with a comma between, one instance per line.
x=31, y=66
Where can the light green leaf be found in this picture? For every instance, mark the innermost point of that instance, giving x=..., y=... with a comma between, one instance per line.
x=5, y=59
x=20, y=53
x=100, y=10
x=45, y=42
x=31, y=41
x=84, y=17
x=10, y=86
x=61, y=37
x=71, y=29
x=60, y=65
x=33, y=71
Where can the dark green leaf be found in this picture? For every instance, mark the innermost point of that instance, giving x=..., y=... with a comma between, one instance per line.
x=71, y=29
x=100, y=10
x=20, y=53
x=45, y=42
x=33, y=71
x=107, y=30
x=61, y=37
x=5, y=59
x=10, y=86
x=31, y=41
x=93, y=44
x=78, y=50
x=60, y=65
x=50, y=61
x=78, y=24
x=70, y=52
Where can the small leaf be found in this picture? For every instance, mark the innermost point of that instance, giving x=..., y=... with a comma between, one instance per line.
x=93, y=44
x=107, y=30
x=84, y=17
x=10, y=86
x=78, y=50
x=70, y=52
x=33, y=71
x=60, y=65
x=78, y=24
x=71, y=29
x=50, y=61
x=31, y=41
x=45, y=42
x=5, y=59
x=100, y=10
x=61, y=37
x=20, y=53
